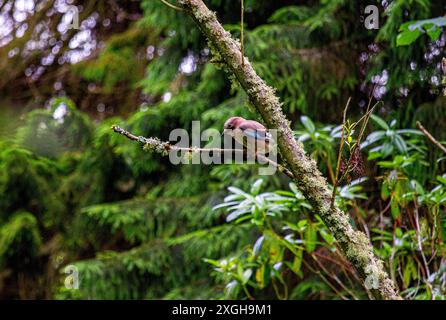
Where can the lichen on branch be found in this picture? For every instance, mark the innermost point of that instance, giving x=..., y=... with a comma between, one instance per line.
x=355, y=245
x=163, y=148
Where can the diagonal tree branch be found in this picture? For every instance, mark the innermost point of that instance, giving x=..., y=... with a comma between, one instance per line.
x=430, y=137
x=355, y=244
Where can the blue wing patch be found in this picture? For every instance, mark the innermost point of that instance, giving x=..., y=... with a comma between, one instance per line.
x=257, y=134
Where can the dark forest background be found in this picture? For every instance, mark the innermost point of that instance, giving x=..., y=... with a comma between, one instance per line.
x=134, y=226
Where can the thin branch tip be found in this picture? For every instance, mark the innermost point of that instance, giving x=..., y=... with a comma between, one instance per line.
x=430, y=137
x=170, y=5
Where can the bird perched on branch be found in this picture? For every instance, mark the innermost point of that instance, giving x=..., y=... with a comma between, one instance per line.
x=251, y=134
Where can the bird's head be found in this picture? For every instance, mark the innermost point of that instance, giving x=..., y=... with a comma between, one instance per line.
x=233, y=123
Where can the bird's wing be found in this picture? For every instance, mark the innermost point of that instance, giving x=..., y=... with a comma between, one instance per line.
x=256, y=134
x=255, y=130
x=251, y=124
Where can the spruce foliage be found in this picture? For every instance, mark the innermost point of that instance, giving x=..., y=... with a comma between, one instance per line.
x=73, y=193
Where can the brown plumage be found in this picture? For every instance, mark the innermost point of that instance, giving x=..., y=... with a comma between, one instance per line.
x=251, y=134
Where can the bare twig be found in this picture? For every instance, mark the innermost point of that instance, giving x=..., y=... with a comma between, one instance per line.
x=334, y=277
x=430, y=137
x=365, y=119
x=172, y=5
x=338, y=164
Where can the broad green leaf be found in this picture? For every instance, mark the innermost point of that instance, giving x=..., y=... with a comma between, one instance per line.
x=410, y=31
x=310, y=238
x=395, y=209
x=297, y=262
x=380, y=122
x=410, y=131
x=386, y=149
x=246, y=276
x=434, y=33
x=385, y=193
x=255, y=188
x=407, y=37
x=308, y=124
x=260, y=276
x=231, y=287
x=237, y=191
x=224, y=204
x=235, y=214
x=258, y=246
x=400, y=144
x=442, y=179
x=302, y=223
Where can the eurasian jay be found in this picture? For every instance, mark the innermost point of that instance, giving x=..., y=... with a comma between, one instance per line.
x=249, y=133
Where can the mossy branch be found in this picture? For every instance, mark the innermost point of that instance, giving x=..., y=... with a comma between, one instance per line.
x=163, y=148
x=355, y=244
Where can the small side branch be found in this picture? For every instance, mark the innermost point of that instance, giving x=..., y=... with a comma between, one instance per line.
x=163, y=148
x=172, y=5
x=341, y=146
x=430, y=137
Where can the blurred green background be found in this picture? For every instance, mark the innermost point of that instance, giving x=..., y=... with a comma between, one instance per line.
x=134, y=226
